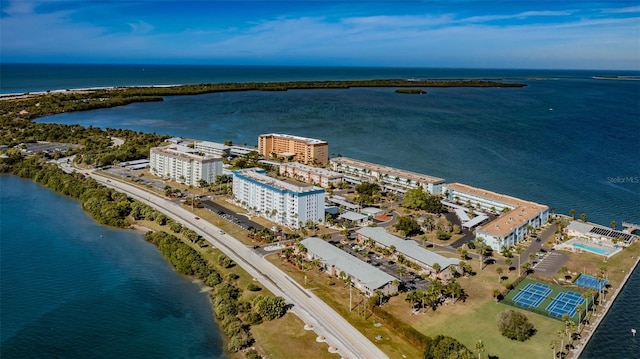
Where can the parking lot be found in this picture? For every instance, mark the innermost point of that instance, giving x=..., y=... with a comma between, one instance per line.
x=550, y=262
x=410, y=280
x=231, y=217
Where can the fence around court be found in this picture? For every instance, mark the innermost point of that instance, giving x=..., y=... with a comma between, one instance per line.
x=546, y=302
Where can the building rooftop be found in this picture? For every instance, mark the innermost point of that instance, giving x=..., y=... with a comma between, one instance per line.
x=183, y=152
x=353, y=216
x=390, y=171
x=253, y=174
x=408, y=248
x=483, y=193
x=371, y=276
x=317, y=170
x=519, y=215
x=596, y=231
x=217, y=145
x=309, y=141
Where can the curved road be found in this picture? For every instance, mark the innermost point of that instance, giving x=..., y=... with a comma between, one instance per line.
x=348, y=341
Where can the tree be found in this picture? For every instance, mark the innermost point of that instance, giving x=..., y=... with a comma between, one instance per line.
x=416, y=198
x=583, y=217
x=561, y=334
x=579, y=309
x=481, y=249
x=508, y=262
x=553, y=346
x=269, y=307
x=519, y=250
x=614, y=224
x=408, y=226
x=436, y=267
x=479, y=348
x=499, y=271
x=446, y=347
x=515, y=325
x=572, y=213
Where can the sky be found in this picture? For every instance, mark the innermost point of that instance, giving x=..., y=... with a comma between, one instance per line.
x=454, y=34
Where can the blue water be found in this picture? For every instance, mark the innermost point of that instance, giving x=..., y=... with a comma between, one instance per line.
x=566, y=140
x=595, y=250
x=71, y=288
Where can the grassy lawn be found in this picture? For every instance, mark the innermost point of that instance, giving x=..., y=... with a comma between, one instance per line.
x=268, y=335
x=337, y=296
x=468, y=321
x=286, y=338
x=477, y=319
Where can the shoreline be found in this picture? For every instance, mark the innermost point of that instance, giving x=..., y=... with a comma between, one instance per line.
x=140, y=228
x=579, y=349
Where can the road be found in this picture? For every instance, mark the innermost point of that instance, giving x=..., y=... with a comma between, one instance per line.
x=348, y=341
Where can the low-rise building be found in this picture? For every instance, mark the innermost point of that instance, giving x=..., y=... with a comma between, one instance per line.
x=517, y=219
x=309, y=174
x=279, y=201
x=183, y=164
x=596, y=232
x=390, y=178
x=303, y=149
x=408, y=248
x=364, y=277
x=212, y=148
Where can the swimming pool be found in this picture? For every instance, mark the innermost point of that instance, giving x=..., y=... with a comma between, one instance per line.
x=600, y=251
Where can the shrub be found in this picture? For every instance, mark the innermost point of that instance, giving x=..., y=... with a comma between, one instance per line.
x=446, y=347
x=254, y=288
x=515, y=325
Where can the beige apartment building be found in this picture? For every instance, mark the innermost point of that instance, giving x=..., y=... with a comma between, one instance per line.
x=302, y=149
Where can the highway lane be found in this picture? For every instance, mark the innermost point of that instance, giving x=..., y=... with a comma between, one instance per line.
x=339, y=333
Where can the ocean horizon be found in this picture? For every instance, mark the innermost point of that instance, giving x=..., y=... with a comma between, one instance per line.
x=566, y=140
x=18, y=78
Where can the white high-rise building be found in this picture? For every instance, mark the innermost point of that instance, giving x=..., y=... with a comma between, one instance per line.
x=278, y=201
x=185, y=165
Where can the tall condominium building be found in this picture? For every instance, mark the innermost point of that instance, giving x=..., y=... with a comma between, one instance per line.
x=278, y=201
x=391, y=178
x=185, y=165
x=306, y=150
x=517, y=219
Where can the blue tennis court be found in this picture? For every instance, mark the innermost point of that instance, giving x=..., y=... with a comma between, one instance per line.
x=531, y=295
x=565, y=303
x=588, y=281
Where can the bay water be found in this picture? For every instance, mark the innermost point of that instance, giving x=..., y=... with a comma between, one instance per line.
x=566, y=140
x=71, y=288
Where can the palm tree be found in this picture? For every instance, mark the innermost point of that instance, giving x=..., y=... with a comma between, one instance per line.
x=583, y=217
x=553, y=346
x=479, y=348
x=572, y=212
x=614, y=224
x=499, y=271
x=561, y=334
x=436, y=267
x=481, y=249
x=508, y=262
x=519, y=250
x=579, y=309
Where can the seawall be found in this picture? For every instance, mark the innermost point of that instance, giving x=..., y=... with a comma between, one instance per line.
x=593, y=327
